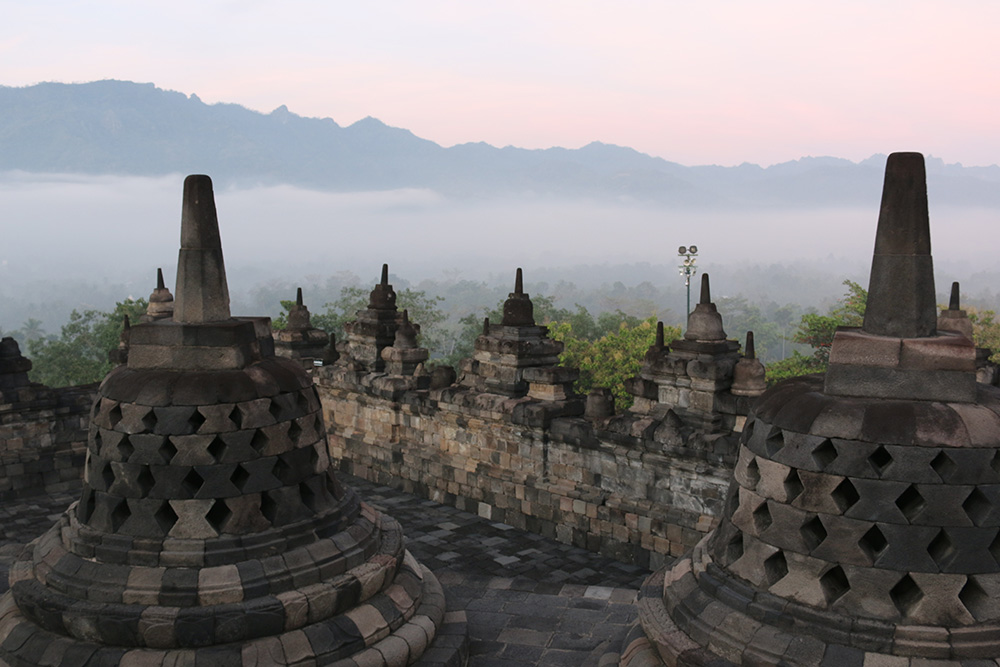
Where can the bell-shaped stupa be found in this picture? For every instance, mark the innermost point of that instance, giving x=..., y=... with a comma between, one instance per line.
x=211, y=528
x=863, y=523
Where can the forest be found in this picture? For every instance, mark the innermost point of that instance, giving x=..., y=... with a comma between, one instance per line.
x=605, y=330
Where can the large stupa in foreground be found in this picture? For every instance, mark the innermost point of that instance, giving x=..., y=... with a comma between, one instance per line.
x=862, y=527
x=211, y=529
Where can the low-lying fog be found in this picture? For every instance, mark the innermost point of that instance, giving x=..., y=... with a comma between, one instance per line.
x=78, y=242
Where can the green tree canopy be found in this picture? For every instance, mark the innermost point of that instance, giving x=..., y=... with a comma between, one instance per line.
x=79, y=355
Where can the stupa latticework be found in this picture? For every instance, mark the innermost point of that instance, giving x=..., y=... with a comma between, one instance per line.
x=211, y=529
x=863, y=523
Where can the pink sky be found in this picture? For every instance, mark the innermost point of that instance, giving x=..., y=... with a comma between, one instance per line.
x=694, y=82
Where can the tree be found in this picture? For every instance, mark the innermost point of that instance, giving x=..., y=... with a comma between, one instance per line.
x=79, y=355
x=616, y=355
x=817, y=331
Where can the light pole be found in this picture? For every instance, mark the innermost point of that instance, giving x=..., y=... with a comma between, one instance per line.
x=688, y=269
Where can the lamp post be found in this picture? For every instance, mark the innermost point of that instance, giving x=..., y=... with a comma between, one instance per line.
x=688, y=268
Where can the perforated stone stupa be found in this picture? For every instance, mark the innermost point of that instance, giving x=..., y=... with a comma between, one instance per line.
x=211, y=529
x=863, y=523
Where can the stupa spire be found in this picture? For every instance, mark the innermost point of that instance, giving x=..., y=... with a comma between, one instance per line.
x=201, y=294
x=901, y=297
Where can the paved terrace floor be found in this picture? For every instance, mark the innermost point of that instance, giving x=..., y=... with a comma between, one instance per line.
x=528, y=600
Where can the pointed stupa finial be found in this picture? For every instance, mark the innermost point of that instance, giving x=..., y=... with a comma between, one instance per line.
x=486, y=326
x=159, y=279
x=748, y=350
x=749, y=375
x=406, y=334
x=705, y=322
x=126, y=327
x=202, y=294
x=955, y=319
x=659, y=334
x=518, y=310
x=383, y=297
x=298, y=296
x=901, y=298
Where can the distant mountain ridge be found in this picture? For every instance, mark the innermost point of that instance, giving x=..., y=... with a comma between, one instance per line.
x=120, y=127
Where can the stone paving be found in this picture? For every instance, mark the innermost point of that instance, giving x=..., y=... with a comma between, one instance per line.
x=528, y=600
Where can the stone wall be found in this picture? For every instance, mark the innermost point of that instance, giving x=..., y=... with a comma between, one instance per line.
x=43, y=438
x=632, y=486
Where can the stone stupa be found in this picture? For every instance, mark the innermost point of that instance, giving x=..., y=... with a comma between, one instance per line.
x=211, y=529
x=862, y=527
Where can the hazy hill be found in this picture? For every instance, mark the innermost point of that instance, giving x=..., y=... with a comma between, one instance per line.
x=118, y=127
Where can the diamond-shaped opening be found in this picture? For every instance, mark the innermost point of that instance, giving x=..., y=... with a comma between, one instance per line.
x=294, y=431
x=149, y=420
x=813, y=532
x=995, y=463
x=268, y=507
x=218, y=515
x=824, y=454
x=944, y=466
x=120, y=514
x=906, y=595
x=196, y=420
x=976, y=600
x=762, y=518
x=977, y=506
x=775, y=441
x=259, y=441
x=747, y=431
x=236, y=416
x=145, y=481
x=125, y=448
x=793, y=485
x=911, y=503
x=880, y=459
x=95, y=409
x=941, y=548
x=85, y=509
x=192, y=482
x=873, y=543
x=834, y=584
x=734, y=550
x=302, y=403
x=775, y=568
x=107, y=476
x=281, y=470
x=167, y=450
x=115, y=415
x=165, y=517
x=97, y=441
x=753, y=474
x=239, y=477
x=845, y=495
x=995, y=548
x=275, y=409
x=314, y=456
x=217, y=448
x=308, y=496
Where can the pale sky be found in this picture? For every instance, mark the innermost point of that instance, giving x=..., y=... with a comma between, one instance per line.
x=709, y=82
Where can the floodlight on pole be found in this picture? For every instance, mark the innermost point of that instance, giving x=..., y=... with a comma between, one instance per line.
x=688, y=268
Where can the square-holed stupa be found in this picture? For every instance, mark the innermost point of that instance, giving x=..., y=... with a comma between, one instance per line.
x=211, y=529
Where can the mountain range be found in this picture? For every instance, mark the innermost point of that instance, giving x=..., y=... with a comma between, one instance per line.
x=126, y=128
